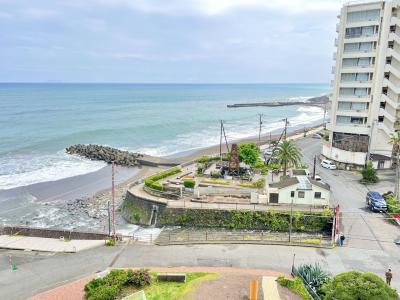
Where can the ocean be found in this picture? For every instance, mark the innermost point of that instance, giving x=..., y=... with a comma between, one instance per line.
x=38, y=121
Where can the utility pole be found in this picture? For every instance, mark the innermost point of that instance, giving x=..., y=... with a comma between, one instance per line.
x=291, y=221
x=113, y=195
x=220, y=145
x=367, y=158
x=259, y=131
x=315, y=162
x=109, y=218
x=324, y=116
x=286, y=124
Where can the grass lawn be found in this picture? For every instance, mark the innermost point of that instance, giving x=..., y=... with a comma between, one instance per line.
x=174, y=290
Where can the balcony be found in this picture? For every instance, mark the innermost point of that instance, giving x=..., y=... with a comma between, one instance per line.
x=356, y=84
x=336, y=42
x=334, y=55
x=392, y=70
x=359, y=53
x=353, y=113
x=388, y=116
x=391, y=85
x=386, y=129
x=337, y=27
x=350, y=128
x=359, y=38
x=333, y=70
x=358, y=69
x=391, y=102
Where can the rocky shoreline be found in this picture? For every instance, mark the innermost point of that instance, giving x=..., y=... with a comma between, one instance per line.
x=105, y=153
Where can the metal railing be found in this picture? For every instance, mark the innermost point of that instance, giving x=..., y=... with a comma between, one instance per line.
x=262, y=237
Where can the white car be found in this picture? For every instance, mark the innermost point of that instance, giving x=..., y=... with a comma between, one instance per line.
x=328, y=164
x=317, y=177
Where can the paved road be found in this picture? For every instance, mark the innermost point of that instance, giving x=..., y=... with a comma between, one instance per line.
x=369, y=247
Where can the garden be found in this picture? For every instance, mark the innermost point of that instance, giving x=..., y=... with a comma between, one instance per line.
x=120, y=284
x=311, y=281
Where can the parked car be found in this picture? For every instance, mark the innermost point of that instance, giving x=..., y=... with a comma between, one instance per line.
x=328, y=164
x=375, y=202
x=316, y=136
x=317, y=177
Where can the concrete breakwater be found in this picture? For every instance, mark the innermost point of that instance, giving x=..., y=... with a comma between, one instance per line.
x=104, y=153
x=120, y=157
x=316, y=101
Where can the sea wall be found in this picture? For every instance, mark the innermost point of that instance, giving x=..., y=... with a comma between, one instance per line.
x=139, y=210
x=53, y=233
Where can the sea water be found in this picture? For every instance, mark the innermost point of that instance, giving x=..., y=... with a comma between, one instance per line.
x=38, y=121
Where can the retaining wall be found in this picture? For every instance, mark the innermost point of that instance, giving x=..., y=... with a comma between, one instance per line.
x=53, y=233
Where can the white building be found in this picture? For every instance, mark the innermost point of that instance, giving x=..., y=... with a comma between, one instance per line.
x=301, y=190
x=366, y=88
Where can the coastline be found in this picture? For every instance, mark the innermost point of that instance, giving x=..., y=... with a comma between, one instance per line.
x=86, y=196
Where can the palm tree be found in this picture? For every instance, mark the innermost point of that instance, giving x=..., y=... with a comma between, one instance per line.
x=395, y=141
x=288, y=154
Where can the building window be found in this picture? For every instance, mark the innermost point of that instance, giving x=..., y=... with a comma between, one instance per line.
x=380, y=119
x=292, y=194
x=301, y=194
x=317, y=195
x=273, y=198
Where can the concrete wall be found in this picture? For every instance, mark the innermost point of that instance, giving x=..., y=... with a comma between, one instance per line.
x=347, y=157
x=53, y=233
x=138, y=210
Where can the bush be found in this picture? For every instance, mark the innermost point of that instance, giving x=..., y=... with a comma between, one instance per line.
x=104, y=292
x=152, y=181
x=110, y=243
x=139, y=278
x=216, y=175
x=249, y=154
x=296, y=286
x=369, y=174
x=393, y=204
x=313, y=275
x=189, y=183
x=109, y=287
x=358, y=285
x=205, y=159
x=260, y=183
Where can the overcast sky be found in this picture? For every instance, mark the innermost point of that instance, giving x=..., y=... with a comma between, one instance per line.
x=183, y=41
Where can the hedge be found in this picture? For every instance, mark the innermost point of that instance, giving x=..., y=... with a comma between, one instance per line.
x=189, y=183
x=152, y=181
x=296, y=286
x=205, y=159
x=260, y=220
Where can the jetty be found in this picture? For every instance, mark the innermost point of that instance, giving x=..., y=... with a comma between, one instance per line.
x=315, y=101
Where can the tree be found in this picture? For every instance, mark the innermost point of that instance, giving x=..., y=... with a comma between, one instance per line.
x=288, y=154
x=356, y=285
x=369, y=174
x=249, y=154
x=395, y=141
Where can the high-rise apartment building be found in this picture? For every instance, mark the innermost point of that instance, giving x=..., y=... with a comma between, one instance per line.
x=366, y=87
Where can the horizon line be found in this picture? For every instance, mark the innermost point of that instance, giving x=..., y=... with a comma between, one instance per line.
x=149, y=83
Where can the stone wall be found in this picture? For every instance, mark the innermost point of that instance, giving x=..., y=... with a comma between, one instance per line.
x=138, y=210
x=53, y=233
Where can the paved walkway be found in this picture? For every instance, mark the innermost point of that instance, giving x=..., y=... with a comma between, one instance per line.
x=46, y=244
x=270, y=288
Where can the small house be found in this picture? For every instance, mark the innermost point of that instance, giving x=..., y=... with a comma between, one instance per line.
x=299, y=190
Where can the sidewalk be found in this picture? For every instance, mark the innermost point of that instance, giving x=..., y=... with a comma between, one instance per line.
x=46, y=244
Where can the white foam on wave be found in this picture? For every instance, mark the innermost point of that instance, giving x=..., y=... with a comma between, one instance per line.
x=24, y=170
x=235, y=130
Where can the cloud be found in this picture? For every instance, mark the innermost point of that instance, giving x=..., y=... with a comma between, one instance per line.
x=219, y=7
x=40, y=13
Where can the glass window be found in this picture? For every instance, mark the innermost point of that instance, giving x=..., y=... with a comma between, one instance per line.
x=301, y=194
x=292, y=194
x=365, y=15
x=343, y=119
x=317, y=195
x=366, y=46
x=362, y=76
x=344, y=105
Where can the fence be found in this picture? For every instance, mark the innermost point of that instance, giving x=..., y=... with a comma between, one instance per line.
x=258, y=237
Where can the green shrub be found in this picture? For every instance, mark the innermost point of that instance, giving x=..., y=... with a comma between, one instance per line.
x=260, y=183
x=116, y=277
x=104, y=292
x=93, y=284
x=152, y=181
x=139, y=278
x=358, y=285
x=189, y=183
x=249, y=154
x=393, y=204
x=215, y=175
x=296, y=286
x=313, y=275
x=205, y=159
x=110, y=243
x=369, y=174
x=217, y=181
